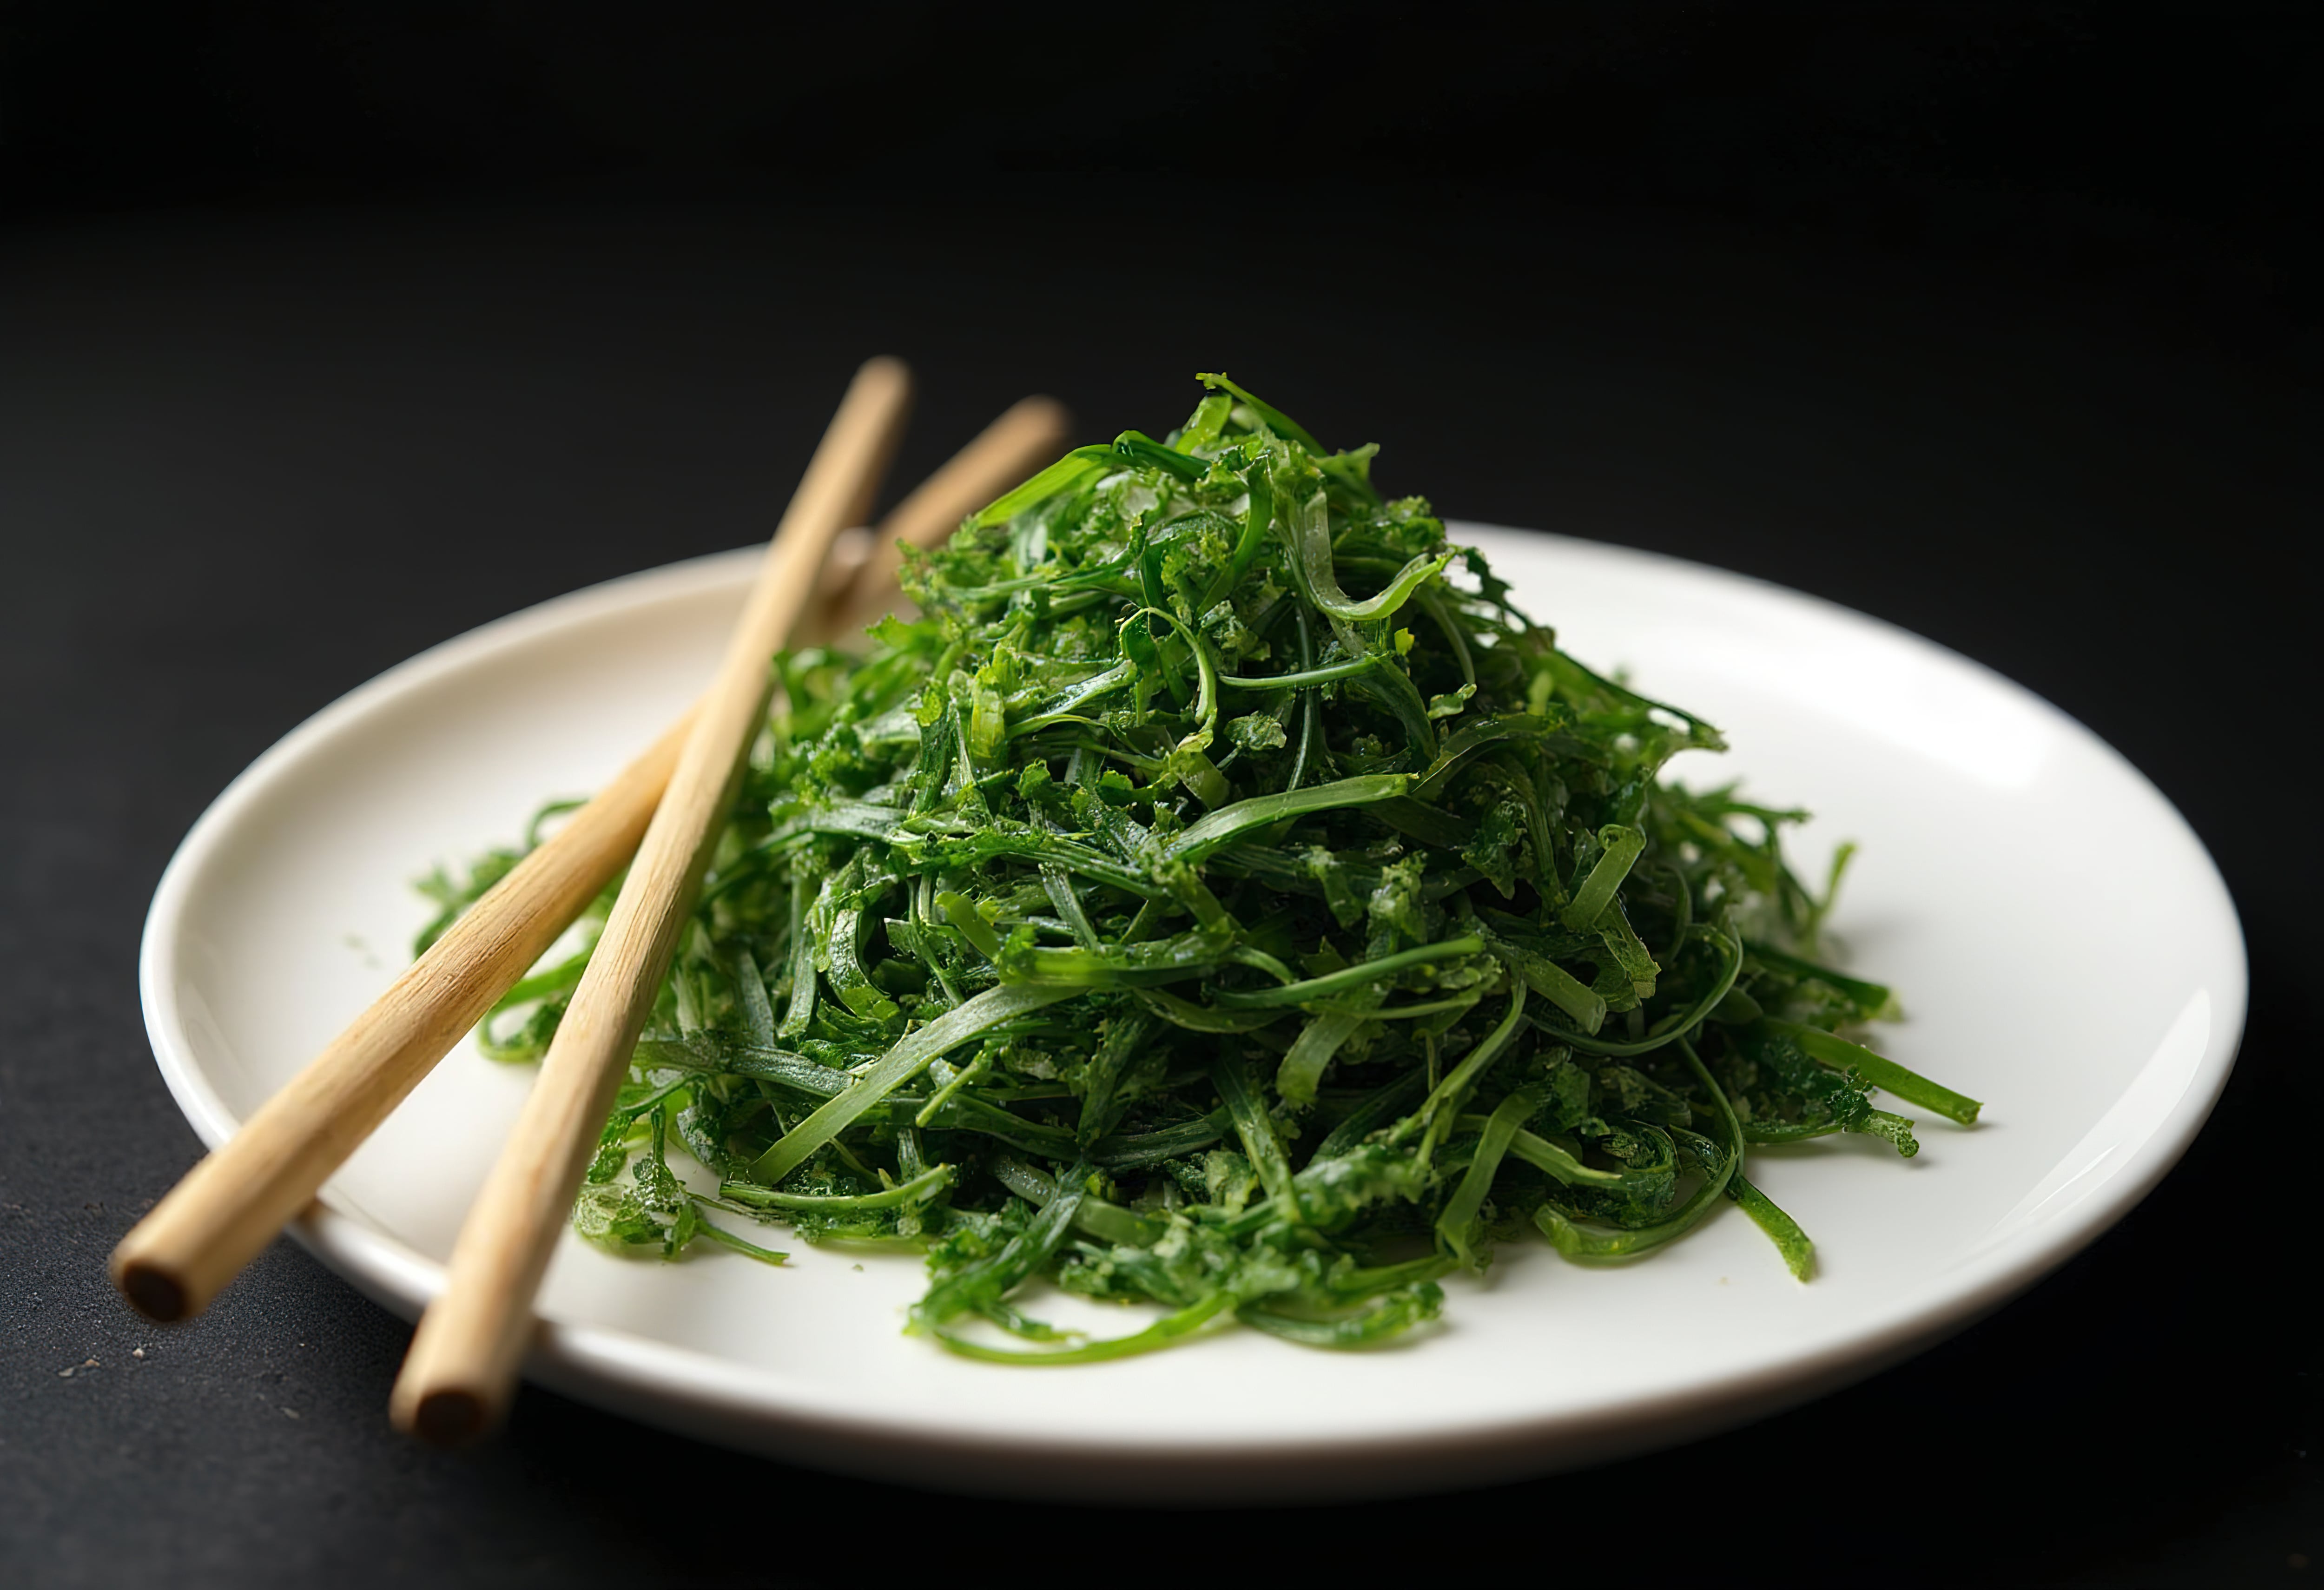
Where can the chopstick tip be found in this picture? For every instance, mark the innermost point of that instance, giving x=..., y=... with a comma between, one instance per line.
x=156, y=1294
x=452, y=1417
x=1046, y=411
x=885, y=368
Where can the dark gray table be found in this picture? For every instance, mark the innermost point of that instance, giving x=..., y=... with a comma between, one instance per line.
x=245, y=464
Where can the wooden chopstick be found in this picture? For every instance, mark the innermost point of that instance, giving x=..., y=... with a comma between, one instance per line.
x=463, y=1358
x=225, y=1211
x=237, y=1199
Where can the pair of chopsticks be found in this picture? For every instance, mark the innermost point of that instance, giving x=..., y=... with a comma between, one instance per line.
x=666, y=809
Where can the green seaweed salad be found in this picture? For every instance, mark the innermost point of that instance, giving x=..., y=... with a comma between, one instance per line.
x=1222, y=898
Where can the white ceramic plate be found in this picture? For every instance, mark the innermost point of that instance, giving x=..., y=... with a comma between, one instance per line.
x=2064, y=949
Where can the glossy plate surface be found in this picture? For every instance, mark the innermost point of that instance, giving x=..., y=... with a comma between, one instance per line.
x=2093, y=1003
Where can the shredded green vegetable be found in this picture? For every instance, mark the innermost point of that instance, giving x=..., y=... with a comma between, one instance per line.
x=1222, y=898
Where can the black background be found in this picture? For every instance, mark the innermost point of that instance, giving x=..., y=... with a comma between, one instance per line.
x=327, y=333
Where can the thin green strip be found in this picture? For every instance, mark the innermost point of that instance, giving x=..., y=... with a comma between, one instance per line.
x=1549, y=1159
x=1303, y=677
x=1791, y=1242
x=1302, y=1064
x=1200, y=1017
x=1623, y=847
x=1880, y=1071
x=898, y=1066
x=1869, y=997
x=919, y=1189
x=1164, y=1331
x=1459, y=1212
x=1067, y=474
x=1361, y=975
x=1456, y=1084
x=1275, y=419
x=1219, y=829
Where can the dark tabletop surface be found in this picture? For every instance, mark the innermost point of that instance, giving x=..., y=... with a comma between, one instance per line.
x=247, y=463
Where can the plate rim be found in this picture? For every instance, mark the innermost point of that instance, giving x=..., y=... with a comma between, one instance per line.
x=681, y=1388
